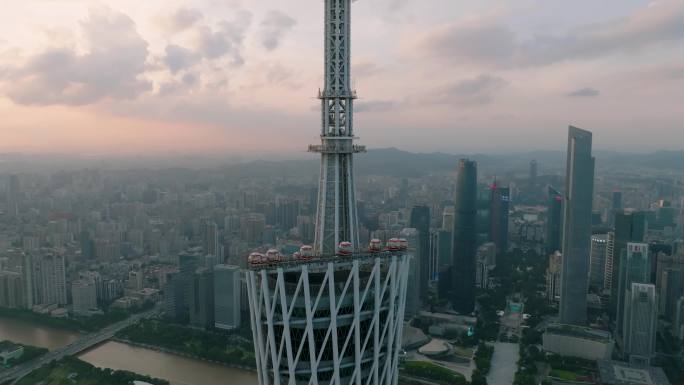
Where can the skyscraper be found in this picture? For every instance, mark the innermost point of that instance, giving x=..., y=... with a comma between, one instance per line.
x=227, y=297
x=464, y=247
x=610, y=255
x=333, y=314
x=641, y=318
x=448, y=219
x=617, y=200
x=420, y=220
x=533, y=173
x=553, y=277
x=413, y=294
x=252, y=228
x=670, y=290
x=554, y=220
x=202, y=298
x=286, y=213
x=83, y=296
x=635, y=267
x=11, y=290
x=629, y=227
x=212, y=244
x=498, y=214
x=440, y=248
x=597, y=267
x=48, y=278
x=579, y=182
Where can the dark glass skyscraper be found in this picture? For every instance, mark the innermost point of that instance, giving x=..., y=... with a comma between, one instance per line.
x=465, y=245
x=554, y=221
x=499, y=206
x=635, y=267
x=629, y=227
x=617, y=200
x=579, y=184
x=420, y=220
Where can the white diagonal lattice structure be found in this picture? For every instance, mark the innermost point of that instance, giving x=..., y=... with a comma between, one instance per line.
x=329, y=321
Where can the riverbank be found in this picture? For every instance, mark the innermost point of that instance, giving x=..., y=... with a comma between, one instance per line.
x=177, y=369
x=74, y=324
x=182, y=354
x=30, y=333
x=70, y=370
x=209, y=345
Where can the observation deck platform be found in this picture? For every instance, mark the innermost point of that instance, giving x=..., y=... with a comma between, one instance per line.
x=337, y=147
x=320, y=263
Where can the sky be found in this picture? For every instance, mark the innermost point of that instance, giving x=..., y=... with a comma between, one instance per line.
x=239, y=77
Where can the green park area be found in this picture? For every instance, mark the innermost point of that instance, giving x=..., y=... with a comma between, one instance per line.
x=564, y=375
x=431, y=372
x=218, y=346
x=73, y=371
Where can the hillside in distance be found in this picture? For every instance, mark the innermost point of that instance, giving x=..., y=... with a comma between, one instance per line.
x=399, y=163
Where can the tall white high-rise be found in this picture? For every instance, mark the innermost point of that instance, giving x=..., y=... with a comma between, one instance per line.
x=334, y=314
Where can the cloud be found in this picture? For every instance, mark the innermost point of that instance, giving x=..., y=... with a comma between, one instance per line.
x=586, y=92
x=226, y=39
x=111, y=67
x=491, y=41
x=178, y=58
x=173, y=87
x=190, y=79
x=274, y=26
x=365, y=69
x=375, y=106
x=480, y=40
x=476, y=91
x=182, y=19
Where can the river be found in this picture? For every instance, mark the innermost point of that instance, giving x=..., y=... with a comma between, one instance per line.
x=177, y=370
x=41, y=336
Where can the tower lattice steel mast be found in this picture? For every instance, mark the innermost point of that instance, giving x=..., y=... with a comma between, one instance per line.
x=336, y=219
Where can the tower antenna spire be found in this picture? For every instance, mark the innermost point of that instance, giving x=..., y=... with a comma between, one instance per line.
x=337, y=218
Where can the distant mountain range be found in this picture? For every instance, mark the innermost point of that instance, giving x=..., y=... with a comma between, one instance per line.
x=399, y=163
x=385, y=161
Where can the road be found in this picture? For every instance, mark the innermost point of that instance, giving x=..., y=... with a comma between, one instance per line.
x=83, y=343
x=504, y=364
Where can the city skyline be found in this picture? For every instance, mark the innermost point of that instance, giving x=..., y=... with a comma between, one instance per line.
x=197, y=77
x=159, y=224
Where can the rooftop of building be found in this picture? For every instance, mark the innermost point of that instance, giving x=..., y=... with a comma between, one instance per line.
x=435, y=347
x=583, y=332
x=620, y=373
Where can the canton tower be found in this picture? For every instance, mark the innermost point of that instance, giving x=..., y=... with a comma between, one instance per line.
x=331, y=314
x=336, y=219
